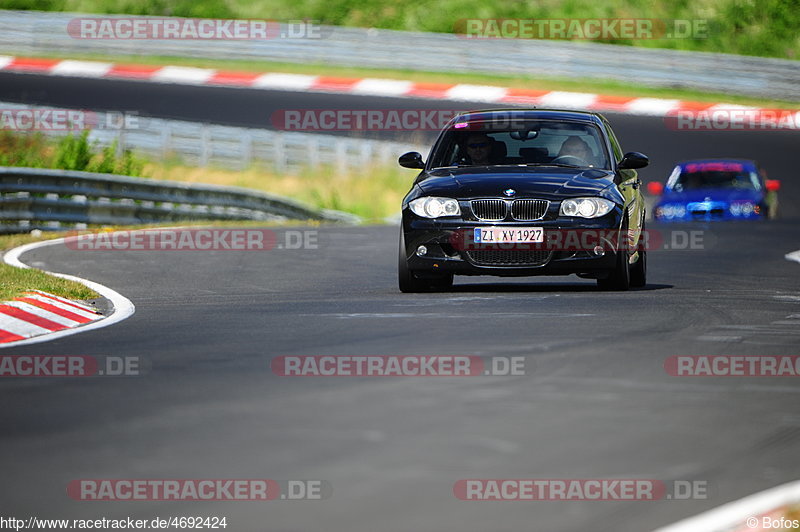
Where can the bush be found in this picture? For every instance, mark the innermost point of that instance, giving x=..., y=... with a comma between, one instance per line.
x=751, y=27
x=73, y=152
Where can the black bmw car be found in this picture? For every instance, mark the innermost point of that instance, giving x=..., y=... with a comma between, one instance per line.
x=513, y=192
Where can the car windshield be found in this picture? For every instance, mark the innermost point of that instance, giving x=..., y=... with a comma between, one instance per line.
x=695, y=176
x=532, y=142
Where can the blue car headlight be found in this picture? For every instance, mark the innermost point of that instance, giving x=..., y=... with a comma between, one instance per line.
x=743, y=208
x=671, y=210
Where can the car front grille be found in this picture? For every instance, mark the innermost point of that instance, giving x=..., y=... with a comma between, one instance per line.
x=508, y=257
x=489, y=209
x=710, y=213
x=526, y=210
x=523, y=210
x=705, y=210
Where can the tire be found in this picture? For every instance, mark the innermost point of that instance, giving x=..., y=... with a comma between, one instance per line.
x=639, y=269
x=620, y=277
x=410, y=284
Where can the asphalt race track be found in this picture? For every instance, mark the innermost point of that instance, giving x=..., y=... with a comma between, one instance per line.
x=595, y=400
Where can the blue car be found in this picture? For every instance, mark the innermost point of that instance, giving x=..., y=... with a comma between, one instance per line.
x=716, y=189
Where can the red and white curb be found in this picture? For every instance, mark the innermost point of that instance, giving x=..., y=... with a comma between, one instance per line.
x=369, y=87
x=754, y=513
x=38, y=313
x=40, y=317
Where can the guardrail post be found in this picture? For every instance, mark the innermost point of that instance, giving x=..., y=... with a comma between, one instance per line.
x=279, y=151
x=341, y=157
x=166, y=141
x=313, y=153
x=247, y=151
x=205, y=145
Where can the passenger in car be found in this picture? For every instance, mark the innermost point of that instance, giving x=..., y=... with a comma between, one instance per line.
x=576, y=147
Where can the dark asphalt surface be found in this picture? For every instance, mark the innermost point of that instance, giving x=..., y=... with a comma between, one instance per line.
x=595, y=401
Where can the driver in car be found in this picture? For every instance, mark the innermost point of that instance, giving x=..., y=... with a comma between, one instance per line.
x=479, y=147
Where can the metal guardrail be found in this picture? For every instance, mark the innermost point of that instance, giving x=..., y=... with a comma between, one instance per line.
x=42, y=33
x=198, y=144
x=33, y=198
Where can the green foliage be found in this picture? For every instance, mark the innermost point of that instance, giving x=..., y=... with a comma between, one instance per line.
x=73, y=152
x=751, y=27
x=173, y=8
x=23, y=150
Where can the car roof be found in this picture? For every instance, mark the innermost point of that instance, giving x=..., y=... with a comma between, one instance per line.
x=746, y=162
x=529, y=114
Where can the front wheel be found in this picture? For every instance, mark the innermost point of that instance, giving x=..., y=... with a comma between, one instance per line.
x=639, y=271
x=639, y=268
x=620, y=277
x=408, y=283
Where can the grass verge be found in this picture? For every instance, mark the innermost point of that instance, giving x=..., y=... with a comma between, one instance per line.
x=373, y=194
x=763, y=27
x=15, y=281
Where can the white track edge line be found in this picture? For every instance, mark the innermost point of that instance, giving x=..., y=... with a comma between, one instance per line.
x=122, y=306
x=736, y=512
x=793, y=256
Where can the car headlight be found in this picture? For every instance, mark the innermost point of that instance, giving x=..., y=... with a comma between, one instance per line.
x=742, y=208
x=671, y=210
x=586, y=207
x=432, y=207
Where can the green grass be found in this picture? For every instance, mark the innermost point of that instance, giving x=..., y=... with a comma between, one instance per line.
x=72, y=152
x=534, y=81
x=766, y=28
x=372, y=193
x=15, y=281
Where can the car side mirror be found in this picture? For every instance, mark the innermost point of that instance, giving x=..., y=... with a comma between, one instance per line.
x=633, y=160
x=655, y=188
x=411, y=159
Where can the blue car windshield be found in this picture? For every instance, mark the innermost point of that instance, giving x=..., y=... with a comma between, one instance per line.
x=706, y=176
x=534, y=142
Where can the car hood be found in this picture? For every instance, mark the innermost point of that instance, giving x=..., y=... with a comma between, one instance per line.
x=539, y=181
x=711, y=194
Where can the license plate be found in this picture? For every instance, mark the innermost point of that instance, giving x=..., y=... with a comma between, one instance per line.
x=508, y=235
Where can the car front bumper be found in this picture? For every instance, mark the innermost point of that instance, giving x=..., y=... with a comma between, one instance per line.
x=569, y=247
